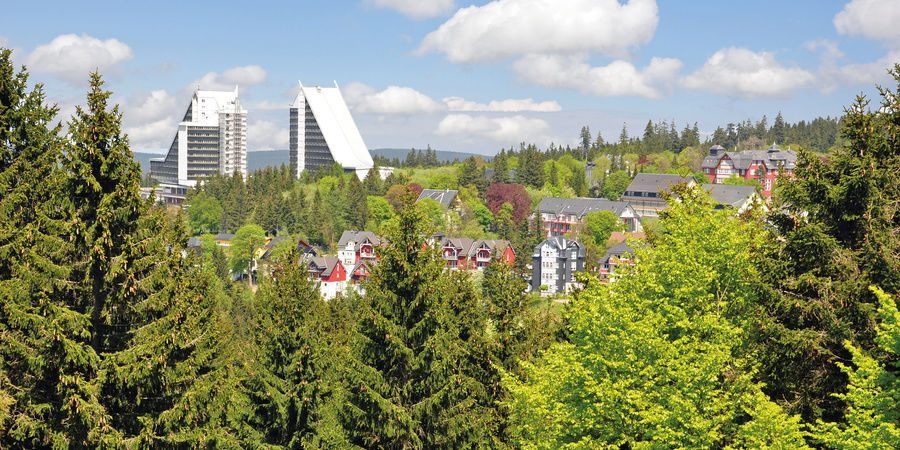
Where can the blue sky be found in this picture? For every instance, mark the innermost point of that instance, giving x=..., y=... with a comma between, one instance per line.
x=463, y=76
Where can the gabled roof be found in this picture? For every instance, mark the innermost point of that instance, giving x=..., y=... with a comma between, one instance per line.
x=442, y=196
x=560, y=243
x=617, y=251
x=224, y=236
x=324, y=265
x=580, y=206
x=358, y=237
x=730, y=195
x=361, y=263
x=194, y=243
x=773, y=157
x=657, y=182
x=499, y=245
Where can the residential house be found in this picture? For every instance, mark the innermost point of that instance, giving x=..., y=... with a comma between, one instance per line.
x=330, y=275
x=760, y=165
x=739, y=198
x=224, y=239
x=646, y=191
x=555, y=262
x=621, y=254
x=355, y=246
x=472, y=254
x=360, y=273
x=561, y=215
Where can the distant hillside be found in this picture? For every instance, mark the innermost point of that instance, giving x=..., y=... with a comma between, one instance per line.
x=260, y=159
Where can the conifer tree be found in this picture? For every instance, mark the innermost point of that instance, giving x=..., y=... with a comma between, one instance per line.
x=412, y=387
x=303, y=346
x=373, y=183
x=357, y=205
x=47, y=367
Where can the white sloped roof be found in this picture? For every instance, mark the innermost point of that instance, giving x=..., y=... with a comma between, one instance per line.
x=338, y=128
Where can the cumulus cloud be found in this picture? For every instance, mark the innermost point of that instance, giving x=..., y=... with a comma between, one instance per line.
x=151, y=118
x=507, y=130
x=241, y=76
x=739, y=72
x=415, y=9
x=72, y=57
x=833, y=75
x=615, y=79
x=393, y=100
x=873, y=19
x=266, y=135
x=506, y=28
x=508, y=105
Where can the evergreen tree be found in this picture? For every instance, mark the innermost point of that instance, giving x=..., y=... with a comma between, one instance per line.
x=836, y=236
x=302, y=346
x=501, y=169
x=413, y=387
x=372, y=182
x=778, y=129
x=585, y=142
x=47, y=367
x=357, y=205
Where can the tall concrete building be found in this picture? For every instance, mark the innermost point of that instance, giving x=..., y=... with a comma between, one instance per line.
x=211, y=138
x=323, y=132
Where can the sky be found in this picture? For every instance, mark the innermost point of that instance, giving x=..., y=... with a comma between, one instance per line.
x=460, y=75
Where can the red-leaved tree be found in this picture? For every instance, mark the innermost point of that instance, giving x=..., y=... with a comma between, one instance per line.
x=499, y=193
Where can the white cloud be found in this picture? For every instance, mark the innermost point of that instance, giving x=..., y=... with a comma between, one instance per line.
x=873, y=19
x=615, y=79
x=393, y=100
x=416, y=9
x=242, y=76
x=151, y=119
x=506, y=28
x=266, y=135
x=72, y=57
x=157, y=134
x=832, y=75
x=508, y=130
x=739, y=72
x=508, y=105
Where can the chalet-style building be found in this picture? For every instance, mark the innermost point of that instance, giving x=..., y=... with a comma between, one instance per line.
x=355, y=246
x=561, y=215
x=474, y=254
x=739, y=198
x=554, y=263
x=645, y=193
x=760, y=165
x=330, y=275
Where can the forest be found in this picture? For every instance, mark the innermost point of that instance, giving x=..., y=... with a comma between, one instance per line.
x=775, y=329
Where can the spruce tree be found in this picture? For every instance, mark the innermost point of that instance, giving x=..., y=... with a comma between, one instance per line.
x=412, y=386
x=47, y=367
x=357, y=206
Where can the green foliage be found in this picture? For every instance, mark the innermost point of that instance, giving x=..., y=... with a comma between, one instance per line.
x=433, y=213
x=655, y=360
x=872, y=391
x=204, y=213
x=614, y=185
x=380, y=212
x=834, y=237
x=417, y=383
x=246, y=241
x=599, y=225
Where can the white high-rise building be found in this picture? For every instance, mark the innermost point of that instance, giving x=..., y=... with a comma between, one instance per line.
x=323, y=132
x=211, y=138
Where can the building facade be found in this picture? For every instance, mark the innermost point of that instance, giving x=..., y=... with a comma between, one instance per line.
x=762, y=166
x=474, y=254
x=555, y=262
x=211, y=138
x=562, y=215
x=646, y=193
x=356, y=246
x=322, y=132
x=330, y=275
